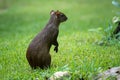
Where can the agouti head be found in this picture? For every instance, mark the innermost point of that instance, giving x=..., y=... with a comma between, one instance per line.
x=61, y=17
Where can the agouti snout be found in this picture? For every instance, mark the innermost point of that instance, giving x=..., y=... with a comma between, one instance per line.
x=38, y=51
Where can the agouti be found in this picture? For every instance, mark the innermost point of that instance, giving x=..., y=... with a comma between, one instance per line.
x=38, y=50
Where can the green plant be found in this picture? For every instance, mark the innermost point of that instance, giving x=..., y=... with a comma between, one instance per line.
x=116, y=3
x=108, y=36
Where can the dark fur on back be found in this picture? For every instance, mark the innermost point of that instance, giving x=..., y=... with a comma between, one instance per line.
x=38, y=51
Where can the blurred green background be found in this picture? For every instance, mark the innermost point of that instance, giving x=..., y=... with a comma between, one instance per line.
x=22, y=15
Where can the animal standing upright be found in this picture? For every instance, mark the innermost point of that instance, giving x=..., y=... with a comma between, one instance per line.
x=38, y=50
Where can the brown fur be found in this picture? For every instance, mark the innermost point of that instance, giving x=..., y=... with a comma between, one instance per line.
x=38, y=51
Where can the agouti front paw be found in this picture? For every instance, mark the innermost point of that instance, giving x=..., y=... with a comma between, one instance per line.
x=56, y=49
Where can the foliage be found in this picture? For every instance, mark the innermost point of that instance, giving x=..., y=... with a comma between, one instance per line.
x=108, y=37
x=116, y=3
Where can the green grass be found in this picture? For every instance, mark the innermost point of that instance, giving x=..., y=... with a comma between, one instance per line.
x=78, y=53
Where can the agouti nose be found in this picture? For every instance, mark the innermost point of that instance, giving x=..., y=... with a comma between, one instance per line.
x=66, y=18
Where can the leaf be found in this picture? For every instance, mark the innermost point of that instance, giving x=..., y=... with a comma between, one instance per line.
x=115, y=3
x=95, y=29
x=110, y=27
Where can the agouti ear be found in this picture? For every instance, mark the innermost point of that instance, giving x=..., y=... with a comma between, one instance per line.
x=57, y=12
x=52, y=12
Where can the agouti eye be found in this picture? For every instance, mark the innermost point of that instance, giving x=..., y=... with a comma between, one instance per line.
x=62, y=15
